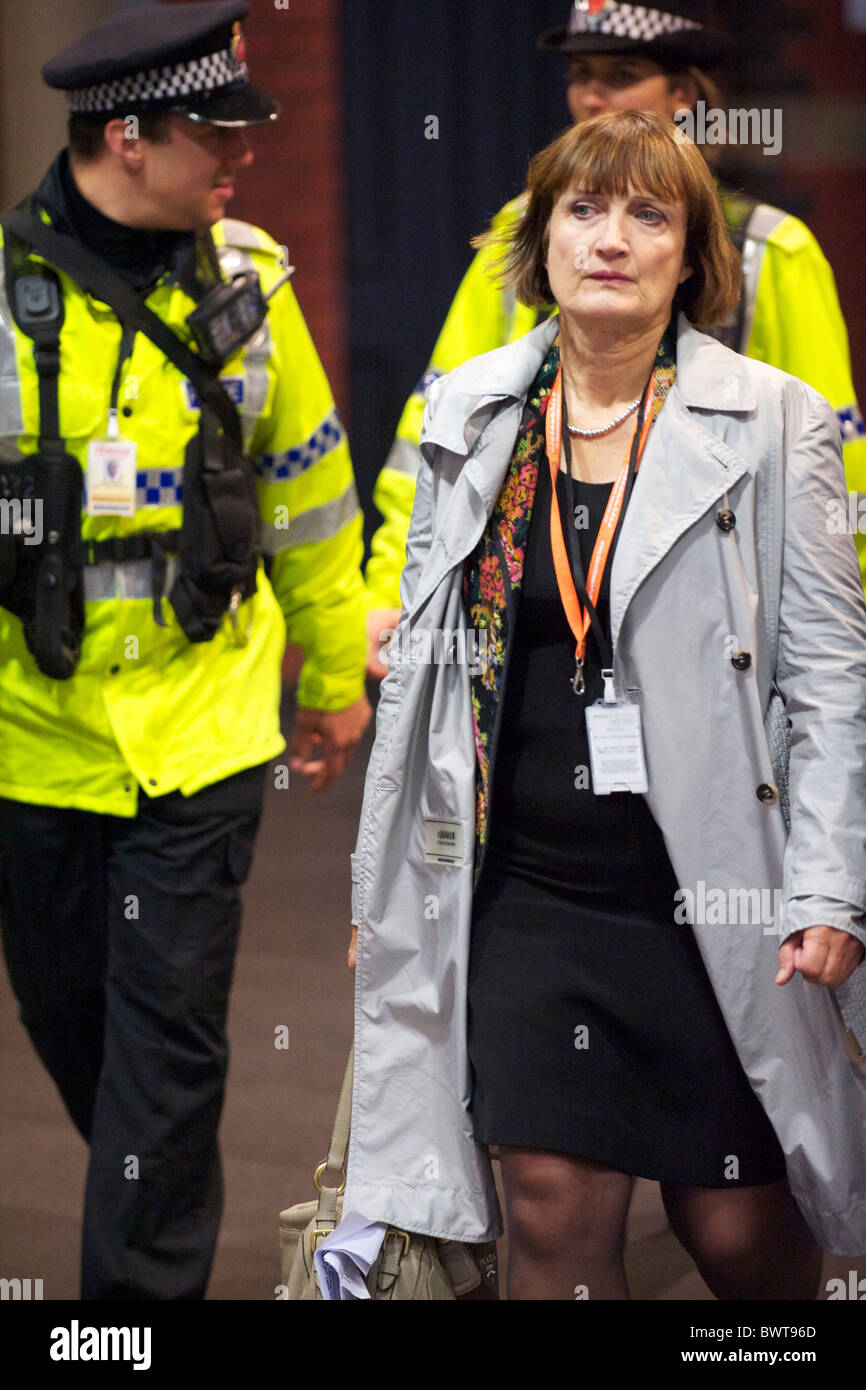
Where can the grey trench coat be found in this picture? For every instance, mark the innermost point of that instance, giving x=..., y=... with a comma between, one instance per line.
x=733, y=434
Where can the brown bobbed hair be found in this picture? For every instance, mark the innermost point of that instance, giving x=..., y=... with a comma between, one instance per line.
x=612, y=154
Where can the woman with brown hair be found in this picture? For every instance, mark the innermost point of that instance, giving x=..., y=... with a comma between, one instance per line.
x=635, y=517
x=627, y=57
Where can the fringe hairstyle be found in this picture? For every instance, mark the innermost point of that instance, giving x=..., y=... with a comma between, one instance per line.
x=610, y=154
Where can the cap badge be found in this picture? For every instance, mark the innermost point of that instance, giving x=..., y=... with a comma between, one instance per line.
x=239, y=43
x=588, y=15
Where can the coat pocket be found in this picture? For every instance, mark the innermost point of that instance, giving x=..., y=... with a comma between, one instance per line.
x=851, y=1001
x=777, y=728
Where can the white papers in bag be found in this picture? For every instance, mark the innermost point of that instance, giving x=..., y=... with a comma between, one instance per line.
x=344, y=1258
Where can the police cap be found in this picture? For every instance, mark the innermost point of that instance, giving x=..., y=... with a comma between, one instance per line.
x=186, y=59
x=672, y=34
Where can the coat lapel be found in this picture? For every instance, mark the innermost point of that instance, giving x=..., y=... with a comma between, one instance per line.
x=470, y=504
x=481, y=427
x=684, y=471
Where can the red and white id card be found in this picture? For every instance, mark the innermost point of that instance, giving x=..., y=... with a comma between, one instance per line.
x=111, y=477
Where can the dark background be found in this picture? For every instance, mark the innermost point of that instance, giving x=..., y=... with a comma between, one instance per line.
x=415, y=202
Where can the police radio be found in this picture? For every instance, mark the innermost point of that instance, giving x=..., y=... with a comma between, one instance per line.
x=229, y=315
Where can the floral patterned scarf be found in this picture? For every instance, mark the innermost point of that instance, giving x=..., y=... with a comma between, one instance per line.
x=493, y=573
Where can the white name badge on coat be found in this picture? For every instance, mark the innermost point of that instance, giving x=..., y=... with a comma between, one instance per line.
x=443, y=841
x=111, y=477
x=615, y=748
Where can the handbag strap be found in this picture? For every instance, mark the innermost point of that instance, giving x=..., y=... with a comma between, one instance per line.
x=342, y=1121
x=103, y=282
x=337, y=1153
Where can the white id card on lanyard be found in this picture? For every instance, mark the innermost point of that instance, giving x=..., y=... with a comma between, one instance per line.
x=111, y=473
x=615, y=744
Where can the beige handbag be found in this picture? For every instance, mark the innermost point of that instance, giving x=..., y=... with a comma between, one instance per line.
x=408, y=1266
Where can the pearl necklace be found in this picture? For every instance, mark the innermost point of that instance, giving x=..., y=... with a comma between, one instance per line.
x=605, y=429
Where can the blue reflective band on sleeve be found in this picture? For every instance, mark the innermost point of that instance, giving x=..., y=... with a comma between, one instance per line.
x=432, y=374
x=159, y=487
x=277, y=467
x=234, y=386
x=851, y=423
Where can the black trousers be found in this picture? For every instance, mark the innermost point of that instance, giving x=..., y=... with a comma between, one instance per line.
x=120, y=939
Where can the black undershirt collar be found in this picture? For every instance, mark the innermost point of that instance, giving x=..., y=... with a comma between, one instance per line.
x=141, y=256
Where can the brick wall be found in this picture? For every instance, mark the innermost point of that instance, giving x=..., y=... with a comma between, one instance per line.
x=830, y=166
x=295, y=188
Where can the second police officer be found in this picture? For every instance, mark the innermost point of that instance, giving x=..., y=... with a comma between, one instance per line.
x=186, y=499
x=625, y=56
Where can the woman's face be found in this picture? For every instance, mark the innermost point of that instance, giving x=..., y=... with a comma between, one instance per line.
x=622, y=82
x=616, y=259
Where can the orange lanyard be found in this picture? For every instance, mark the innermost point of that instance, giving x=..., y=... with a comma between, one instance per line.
x=580, y=619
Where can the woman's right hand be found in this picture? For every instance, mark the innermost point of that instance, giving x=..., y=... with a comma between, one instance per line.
x=353, y=946
x=379, y=621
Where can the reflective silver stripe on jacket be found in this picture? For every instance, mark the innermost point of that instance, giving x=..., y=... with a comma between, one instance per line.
x=763, y=221
x=317, y=524
x=127, y=579
x=404, y=457
x=11, y=421
x=256, y=352
x=509, y=308
x=237, y=234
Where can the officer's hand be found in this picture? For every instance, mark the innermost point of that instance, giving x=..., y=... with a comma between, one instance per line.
x=823, y=956
x=323, y=741
x=353, y=948
x=379, y=620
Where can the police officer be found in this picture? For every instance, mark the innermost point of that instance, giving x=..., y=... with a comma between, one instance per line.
x=647, y=58
x=180, y=497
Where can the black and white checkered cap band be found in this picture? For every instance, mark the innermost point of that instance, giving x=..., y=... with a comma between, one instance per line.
x=205, y=74
x=628, y=21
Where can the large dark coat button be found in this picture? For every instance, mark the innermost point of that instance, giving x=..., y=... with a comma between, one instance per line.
x=725, y=520
x=742, y=660
x=767, y=792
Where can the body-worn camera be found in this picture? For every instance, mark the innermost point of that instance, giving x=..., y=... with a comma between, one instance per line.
x=229, y=315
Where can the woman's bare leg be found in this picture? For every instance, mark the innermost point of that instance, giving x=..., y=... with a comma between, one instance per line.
x=566, y=1226
x=747, y=1242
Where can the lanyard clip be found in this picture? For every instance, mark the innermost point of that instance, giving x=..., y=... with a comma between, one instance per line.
x=578, y=684
x=238, y=638
x=609, y=692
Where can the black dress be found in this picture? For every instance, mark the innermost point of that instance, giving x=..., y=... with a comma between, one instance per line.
x=593, y=1028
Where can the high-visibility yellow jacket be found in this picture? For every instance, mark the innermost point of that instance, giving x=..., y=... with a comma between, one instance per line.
x=792, y=320
x=146, y=708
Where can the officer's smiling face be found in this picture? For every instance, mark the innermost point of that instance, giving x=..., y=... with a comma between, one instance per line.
x=187, y=181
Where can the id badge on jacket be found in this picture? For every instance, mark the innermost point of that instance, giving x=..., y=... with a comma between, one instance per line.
x=111, y=473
